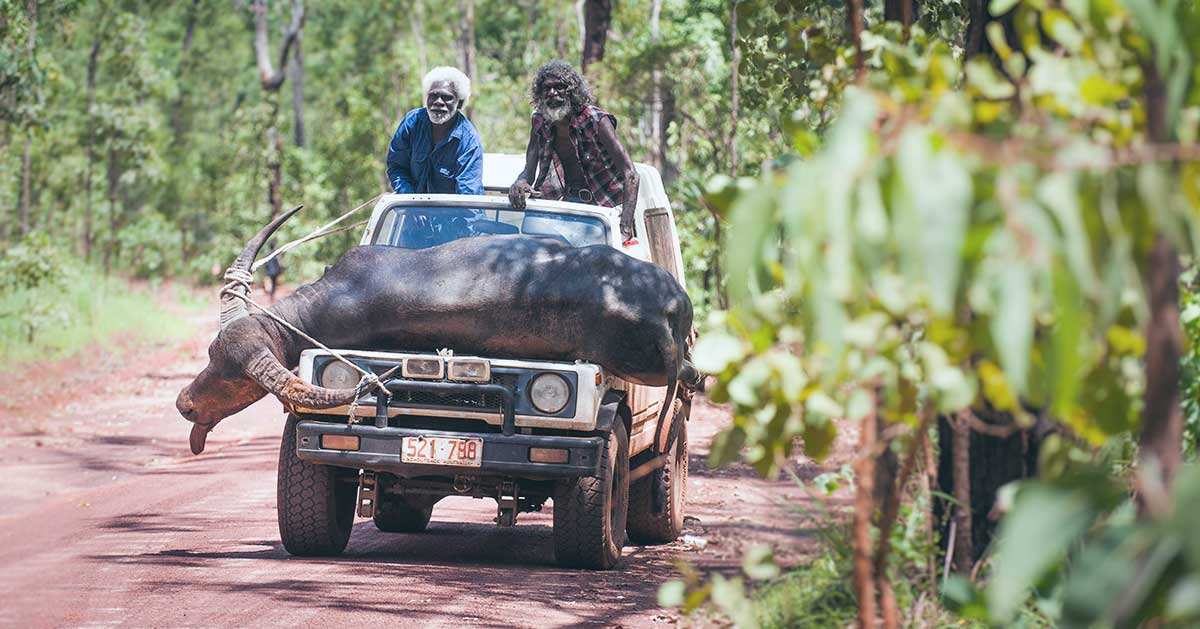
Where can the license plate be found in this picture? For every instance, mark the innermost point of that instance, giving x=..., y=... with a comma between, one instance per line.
x=442, y=451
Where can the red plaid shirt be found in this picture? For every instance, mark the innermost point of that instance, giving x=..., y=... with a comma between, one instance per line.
x=601, y=174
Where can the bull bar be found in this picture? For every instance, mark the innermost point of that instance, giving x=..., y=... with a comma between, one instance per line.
x=504, y=454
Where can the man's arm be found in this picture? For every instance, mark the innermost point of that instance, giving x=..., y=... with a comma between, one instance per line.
x=470, y=170
x=630, y=183
x=521, y=188
x=398, y=157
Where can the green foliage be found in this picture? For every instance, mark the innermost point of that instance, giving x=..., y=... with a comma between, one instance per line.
x=52, y=307
x=818, y=593
x=1190, y=318
x=905, y=256
x=1121, y=571
x=973, y=235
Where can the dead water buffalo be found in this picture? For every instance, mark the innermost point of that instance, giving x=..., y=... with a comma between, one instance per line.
x=495, y=296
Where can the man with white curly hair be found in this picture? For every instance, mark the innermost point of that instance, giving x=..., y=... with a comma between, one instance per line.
x=436, y=150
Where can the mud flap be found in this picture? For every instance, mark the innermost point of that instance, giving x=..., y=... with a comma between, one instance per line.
x=658, y=495
x=608, y=413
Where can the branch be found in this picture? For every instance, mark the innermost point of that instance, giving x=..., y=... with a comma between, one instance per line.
x=272, y=78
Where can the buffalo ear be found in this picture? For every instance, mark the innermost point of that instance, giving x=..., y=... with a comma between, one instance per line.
x=198, y=437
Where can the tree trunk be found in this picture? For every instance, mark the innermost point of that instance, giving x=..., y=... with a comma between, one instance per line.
x=854, y=15
x=597, y=17
x=275, y=170
x=964, y=548
x=903, y=11
x=177, y=123
x=296, y=70
x=893, y=485
x=1161, y=441
x=656, y=98
x=864, y=508
x=976, y=41
x=417, y=23
x=114, y=179
x=90, y=143
x=466, y=43
x=26, y=184
x=734, y=69
x=27, y=155
x=271, y=77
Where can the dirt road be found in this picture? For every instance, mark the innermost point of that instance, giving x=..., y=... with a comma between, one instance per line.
x=107, y=520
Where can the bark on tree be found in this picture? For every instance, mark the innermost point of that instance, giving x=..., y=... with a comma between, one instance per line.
x=864, y=508
x=964, y=551
x=26, y=183
x=597, y=17
x=887, y=520
x=417, y=23
x=27, y=155
x=903, y=11
x=854, y=15
x=657, y=133
x=272, y=79
x=1161, y=441
x=185, y=48
x=270, y=76
x=734, y=69
x=976, y=41
x=114, y=178
x=466, y=43
x=296, y=70
x=90, y=142
x=275, y=168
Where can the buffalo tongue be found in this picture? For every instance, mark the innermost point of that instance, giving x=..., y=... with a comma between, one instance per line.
x=198, y=437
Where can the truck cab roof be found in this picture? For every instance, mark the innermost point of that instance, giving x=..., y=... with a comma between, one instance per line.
x=657, y=240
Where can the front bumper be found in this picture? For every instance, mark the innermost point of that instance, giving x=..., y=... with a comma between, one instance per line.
x=503, y=455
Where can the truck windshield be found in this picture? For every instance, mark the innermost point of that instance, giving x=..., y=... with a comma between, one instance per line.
x=412, y=227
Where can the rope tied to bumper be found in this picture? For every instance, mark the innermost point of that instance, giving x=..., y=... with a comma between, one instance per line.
x=236, y=301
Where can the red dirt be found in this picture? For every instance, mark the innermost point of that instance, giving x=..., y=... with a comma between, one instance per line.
x=109, y=520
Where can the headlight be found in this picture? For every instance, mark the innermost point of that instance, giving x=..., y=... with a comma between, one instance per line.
x=337, y=375
x=549, y=393
x=469, y=370
x=423, y=368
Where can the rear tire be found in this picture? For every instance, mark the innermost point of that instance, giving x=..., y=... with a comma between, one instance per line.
x=590, y=512
x=398, y=516
x=646, y=526
x=315, y=503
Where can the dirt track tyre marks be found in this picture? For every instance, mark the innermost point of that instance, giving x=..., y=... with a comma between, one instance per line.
x=647, y=527
x=590, y=512
x=315, y=503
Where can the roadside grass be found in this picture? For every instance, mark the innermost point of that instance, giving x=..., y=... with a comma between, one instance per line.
x=57, y=319
x=817, y=594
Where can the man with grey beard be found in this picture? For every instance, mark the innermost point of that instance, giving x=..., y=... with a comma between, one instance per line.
x=573, y=152
x=436, y=149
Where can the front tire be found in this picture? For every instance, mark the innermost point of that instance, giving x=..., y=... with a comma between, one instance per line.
x=650, y=526
x=590, y=512
x=315, y=503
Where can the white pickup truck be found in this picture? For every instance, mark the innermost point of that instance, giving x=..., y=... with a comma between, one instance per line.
x=516, y=431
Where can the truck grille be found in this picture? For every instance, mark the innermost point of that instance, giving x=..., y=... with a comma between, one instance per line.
x=460, y=401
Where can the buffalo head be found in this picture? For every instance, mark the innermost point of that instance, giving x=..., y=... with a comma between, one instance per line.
x=244, y=360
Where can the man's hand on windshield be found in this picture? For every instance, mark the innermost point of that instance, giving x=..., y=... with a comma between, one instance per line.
x=627, y=230
x=517, y=193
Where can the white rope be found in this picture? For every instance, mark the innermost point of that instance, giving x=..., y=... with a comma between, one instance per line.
x=239, y=282
x=237, y=285
x=317, y=233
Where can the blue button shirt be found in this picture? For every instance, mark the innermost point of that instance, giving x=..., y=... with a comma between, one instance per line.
x=454, y=166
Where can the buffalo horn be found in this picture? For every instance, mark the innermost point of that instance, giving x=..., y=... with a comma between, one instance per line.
x=271, y=375
x=233, y=308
